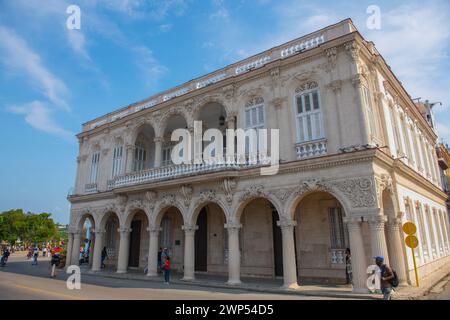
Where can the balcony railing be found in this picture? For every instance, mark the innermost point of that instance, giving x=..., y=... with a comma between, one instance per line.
x=90, y=188
x=176, y=171
x=337, y=256
x=311, y=149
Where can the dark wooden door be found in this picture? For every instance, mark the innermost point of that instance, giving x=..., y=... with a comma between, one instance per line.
x=135, y=243
x=277, y=244
x=201, y=242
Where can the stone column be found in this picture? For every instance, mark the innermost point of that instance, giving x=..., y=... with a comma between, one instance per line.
x=394, y=234
x=129, y=158
x=76, y=248
x=359, y=266
x=158, y=151
x=124, y=247
x=153, y=252
x=189, y=251
x=234, y=255
x=289, y=263
x=98, y=247
x=69, y=249
x=377, y=236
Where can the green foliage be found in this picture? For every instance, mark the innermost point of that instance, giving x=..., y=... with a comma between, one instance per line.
x=28, y=227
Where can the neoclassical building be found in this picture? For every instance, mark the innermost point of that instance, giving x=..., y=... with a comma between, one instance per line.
x=357, y=160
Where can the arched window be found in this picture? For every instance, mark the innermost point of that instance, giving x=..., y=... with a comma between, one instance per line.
x=308, y=113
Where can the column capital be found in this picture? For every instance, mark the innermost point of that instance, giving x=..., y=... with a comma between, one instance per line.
x=158, y=139
x=377, y=221
x=232, y=225
x=124, y=230
x=188, y=228
x=154, y=230
x=353, y=223
x=99, y=231
x=285, y=224
x=394, y=222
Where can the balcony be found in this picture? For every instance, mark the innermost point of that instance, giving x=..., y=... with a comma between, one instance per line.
x=311, y=149
x=90, y=188
x=182, y=170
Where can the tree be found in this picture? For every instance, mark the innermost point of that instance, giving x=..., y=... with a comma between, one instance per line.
x=29, y=227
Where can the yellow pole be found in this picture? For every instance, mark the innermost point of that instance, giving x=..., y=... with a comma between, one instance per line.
x=415, y=267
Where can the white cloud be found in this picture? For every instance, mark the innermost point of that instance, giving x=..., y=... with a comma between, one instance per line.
x=415, y=39
x=17, y=56
x=39, y=117
x=151, y=69
x=77, y=41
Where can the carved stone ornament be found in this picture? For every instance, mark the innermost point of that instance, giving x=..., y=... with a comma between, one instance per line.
x=283, y=194
x=168, y=200
x=306, y=86
x=186, y=191
x=360, y=191
x=150, y=198
x=254, y=191
x=229, y=185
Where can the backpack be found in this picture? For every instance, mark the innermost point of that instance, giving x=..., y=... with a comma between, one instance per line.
x=394, y=281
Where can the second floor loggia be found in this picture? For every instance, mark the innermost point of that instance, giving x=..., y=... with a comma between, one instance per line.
x=145, y=155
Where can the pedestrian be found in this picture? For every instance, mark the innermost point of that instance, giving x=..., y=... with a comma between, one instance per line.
x=44, y=252
x=54, y=262
x=348, y=266
x=159, y=259
x=4, y=259
x=35, y=256
x=167, y=270
x=104, y=257
x=387, y=275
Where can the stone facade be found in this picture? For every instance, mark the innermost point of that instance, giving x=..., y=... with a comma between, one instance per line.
x=356, y=157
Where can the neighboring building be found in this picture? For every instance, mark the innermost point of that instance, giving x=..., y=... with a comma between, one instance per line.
x=443, y=155
x=357, y=161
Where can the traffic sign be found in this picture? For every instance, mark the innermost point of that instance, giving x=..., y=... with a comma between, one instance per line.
x=409, y=228
x=412, y=242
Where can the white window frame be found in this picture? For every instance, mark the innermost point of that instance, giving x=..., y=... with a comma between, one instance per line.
x=95, y=161
x=256, y=104
x=305, y=114
x=117, y=160
x=140, y=162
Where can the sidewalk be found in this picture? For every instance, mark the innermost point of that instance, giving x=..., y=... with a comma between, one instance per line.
x=430, y=284
x=248, y=284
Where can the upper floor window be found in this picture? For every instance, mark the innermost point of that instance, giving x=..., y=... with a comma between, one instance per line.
x=309, y=114
x=117, y=160
x=254, y=119
x=140, y=156
x=254, y=114
x=94, y=167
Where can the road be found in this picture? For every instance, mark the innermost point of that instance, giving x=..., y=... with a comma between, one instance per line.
x=20, y=280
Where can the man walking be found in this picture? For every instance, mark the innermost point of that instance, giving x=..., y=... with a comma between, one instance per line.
x=55, y=263
x=35, y=256
x=387, y=275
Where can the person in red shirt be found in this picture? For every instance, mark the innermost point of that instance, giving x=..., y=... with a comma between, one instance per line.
x=167, y=270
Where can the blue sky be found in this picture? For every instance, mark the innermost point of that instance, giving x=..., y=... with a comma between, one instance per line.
x=53, y=79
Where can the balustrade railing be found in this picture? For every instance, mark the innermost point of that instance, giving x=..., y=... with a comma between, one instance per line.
x=175, y=171
x=311, y=149
x=90, y=188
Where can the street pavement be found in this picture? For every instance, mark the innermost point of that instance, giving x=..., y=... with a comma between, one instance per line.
x=20, y=280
